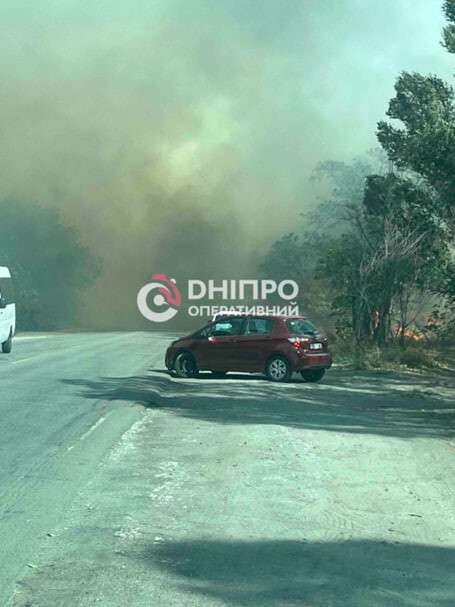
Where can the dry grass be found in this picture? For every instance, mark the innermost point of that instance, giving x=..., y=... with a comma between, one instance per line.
x=412, y=356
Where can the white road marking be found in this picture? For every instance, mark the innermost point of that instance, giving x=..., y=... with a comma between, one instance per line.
x=89, y=431
x=28, y=337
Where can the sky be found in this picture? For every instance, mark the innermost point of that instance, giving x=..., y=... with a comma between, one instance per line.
x=181, y=136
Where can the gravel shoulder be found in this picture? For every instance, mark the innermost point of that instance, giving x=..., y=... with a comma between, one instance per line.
x=240, y=492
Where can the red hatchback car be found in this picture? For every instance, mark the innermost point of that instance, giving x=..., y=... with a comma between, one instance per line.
x=274, y=345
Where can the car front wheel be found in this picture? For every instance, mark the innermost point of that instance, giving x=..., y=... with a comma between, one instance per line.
x=8, y=344
x=278, y=369
x=312, y=375
x=185, y=365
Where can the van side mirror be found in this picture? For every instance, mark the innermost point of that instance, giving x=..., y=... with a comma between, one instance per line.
x=2, y=303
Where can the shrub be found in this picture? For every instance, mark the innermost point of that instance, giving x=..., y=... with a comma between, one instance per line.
x=413, y=357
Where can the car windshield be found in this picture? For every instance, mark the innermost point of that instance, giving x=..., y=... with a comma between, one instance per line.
x=299, y=326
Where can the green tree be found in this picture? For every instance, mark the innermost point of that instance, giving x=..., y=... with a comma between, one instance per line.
x=424, y=144
x=50, y=267
x=448, y=33
x=422, y=148
x=389, y=233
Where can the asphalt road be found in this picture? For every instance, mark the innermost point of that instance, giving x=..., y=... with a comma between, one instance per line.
x=51, y=439
x=120, y=485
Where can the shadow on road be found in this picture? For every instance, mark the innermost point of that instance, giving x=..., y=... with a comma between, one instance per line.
x=268, y=573
x=385, y=404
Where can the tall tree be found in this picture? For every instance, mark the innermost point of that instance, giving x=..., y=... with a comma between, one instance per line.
x=422, y=148
x=424, y=144
x=51, y=271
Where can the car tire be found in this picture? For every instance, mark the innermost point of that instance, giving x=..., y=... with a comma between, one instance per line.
x=278, y=368
x=7, y=345
x=218, y=374
x=185, y=365
x=312, y=375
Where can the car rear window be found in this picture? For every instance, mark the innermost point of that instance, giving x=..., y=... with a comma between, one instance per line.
x=259, y=326
x=299, y=326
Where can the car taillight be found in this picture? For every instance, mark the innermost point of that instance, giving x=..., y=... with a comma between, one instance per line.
x=299, y=342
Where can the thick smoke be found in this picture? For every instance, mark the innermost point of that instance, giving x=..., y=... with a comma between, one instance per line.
x=179, y=136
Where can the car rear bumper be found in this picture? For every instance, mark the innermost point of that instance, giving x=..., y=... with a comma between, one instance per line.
x=313, y=360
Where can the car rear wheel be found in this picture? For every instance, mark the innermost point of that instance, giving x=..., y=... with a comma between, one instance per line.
x=278, y=369
x=313, y=375
x=185, y=365
x=8, y=344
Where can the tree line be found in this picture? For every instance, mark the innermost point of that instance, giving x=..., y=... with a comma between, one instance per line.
x=381, y=248
x=50, y=267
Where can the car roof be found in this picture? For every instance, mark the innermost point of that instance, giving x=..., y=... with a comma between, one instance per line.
x=267, y=316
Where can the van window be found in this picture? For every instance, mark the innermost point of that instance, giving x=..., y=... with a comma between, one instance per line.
x=7, y=290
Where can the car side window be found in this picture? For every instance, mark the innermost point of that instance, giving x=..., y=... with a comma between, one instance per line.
x=259, y=326
x=230, y=326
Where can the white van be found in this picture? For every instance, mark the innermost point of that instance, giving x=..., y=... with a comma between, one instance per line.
x=7, y=310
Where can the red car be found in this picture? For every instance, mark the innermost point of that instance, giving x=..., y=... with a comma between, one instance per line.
x=274, y=345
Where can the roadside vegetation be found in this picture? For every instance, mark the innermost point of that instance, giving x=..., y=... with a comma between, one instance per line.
x=51, y=268
x=376, y=258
